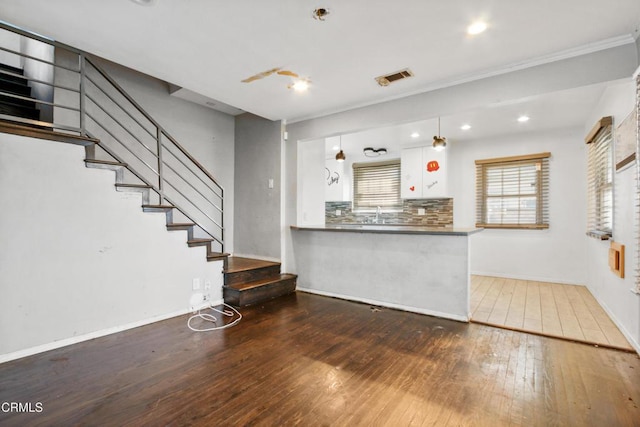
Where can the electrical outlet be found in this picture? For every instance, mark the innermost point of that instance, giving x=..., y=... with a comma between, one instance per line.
x=270, y=183
x=196, y=284
x=338, y=212
x=420, y=211
x=207, y=284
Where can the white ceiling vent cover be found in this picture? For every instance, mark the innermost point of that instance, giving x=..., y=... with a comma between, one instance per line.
x=394, y=77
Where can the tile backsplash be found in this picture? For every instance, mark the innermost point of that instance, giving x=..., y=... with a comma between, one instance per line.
x=437, y=213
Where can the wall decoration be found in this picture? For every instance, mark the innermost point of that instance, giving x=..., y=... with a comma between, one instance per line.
x=433, y=166
x=332, y=177
x=625, y=146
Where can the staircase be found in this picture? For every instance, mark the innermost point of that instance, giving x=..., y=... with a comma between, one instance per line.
x=250, y=281
x=171, y=212
x=247, y=281
x=119, y=135
x=15, y=97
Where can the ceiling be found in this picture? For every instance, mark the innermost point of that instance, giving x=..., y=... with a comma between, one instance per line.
x=549, y=112
x=208, y=46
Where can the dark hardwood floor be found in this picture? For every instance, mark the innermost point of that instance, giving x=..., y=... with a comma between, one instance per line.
x=310, y=360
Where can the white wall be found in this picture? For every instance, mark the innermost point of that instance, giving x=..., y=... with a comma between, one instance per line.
x=612, y=292
x=553, y=255
x=311, y=182
x=257, y=207
x=336, y=191
x=78, y=258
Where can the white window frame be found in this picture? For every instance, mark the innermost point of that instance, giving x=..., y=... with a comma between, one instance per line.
x=514, y=168
x=600, y=170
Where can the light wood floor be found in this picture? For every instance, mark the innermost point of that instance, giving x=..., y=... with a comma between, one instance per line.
x=551, y=309
x=307, y=360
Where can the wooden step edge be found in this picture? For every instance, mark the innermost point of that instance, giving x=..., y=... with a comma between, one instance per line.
x=140, y=186
x=104, y=162
x=214, y=256
x=180, y=226
x=199, y=242
x=51, y=135
x=262, y=282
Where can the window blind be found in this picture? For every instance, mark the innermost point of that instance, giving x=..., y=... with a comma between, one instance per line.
x=377, y=184
x=600, y=180
x=513, y=192
x=637, y=231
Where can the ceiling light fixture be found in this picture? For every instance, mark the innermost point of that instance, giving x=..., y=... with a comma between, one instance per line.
x=476, y=28
x=372, y=152
x=465, y=126
x=340, y=157
x=523, y=119
x=300, y=86
x=439, y=143
x=415, y=135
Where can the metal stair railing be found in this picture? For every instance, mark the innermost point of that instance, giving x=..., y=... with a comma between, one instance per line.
x=87, y=101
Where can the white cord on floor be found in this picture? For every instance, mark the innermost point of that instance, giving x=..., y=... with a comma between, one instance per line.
x=211, y=318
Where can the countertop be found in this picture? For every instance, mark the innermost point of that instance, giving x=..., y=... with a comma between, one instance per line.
x=390, y=229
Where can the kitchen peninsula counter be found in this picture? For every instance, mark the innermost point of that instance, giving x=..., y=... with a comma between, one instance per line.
x=391, y=229
x=419, y=269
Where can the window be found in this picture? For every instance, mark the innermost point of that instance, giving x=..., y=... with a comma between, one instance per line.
x=600, y=180
x=513, y=192
x=377, y=184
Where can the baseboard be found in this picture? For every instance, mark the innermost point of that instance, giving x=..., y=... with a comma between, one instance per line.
x=524, y=277
x=386, y=304
x=620, y=326
x=92, y=335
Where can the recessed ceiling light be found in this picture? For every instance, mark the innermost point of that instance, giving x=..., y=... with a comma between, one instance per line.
x=476, y=28
x=300, y=86
x=465, y=126
x=523, y=119
x=415, y=135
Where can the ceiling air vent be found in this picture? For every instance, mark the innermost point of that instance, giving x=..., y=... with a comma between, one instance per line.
x=394, y=77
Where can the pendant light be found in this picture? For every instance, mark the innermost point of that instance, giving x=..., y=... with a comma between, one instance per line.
x=439, y=143
x=340, y=156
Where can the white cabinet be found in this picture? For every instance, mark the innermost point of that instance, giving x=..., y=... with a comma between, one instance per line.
x=424, y=173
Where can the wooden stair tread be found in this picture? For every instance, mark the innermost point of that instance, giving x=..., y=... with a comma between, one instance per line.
x=133, y=186
x=105, y=162
x=262, y=282
x=51, y=135
x=158, y=206
x=199, y=241
x=237, y=264
x=180, y=225
x=217, y=255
